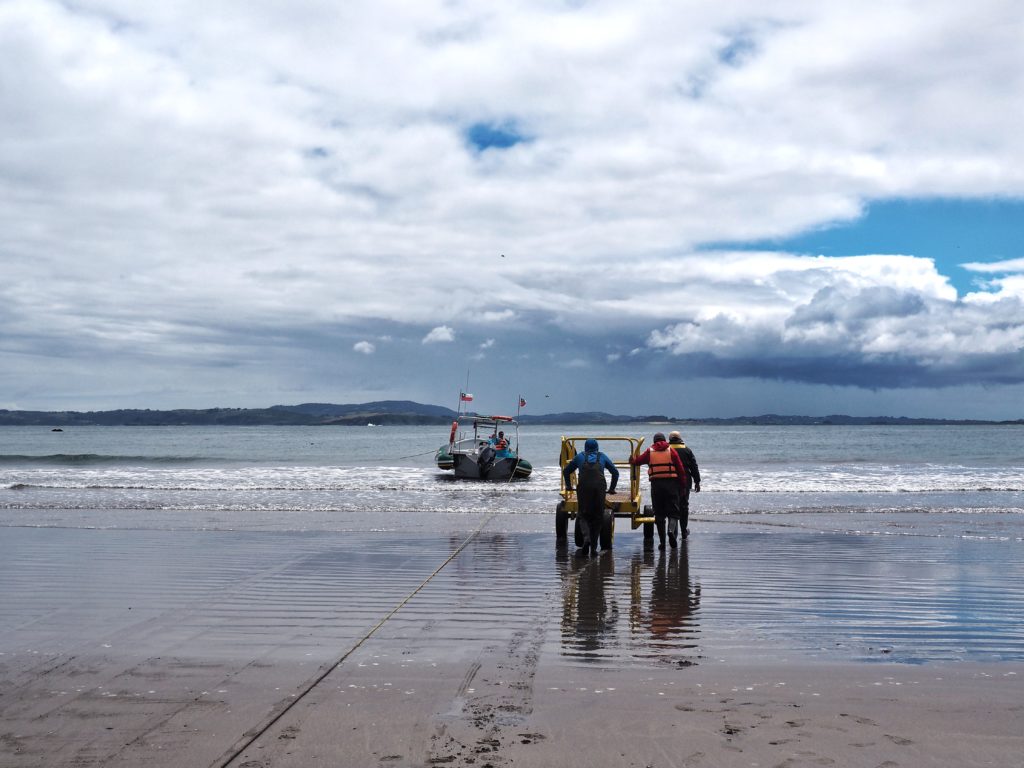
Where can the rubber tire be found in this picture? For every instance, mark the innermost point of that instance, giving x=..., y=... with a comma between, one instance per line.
x=561, y=522
x=648, y=532
x=578, y=532
x=607, y=530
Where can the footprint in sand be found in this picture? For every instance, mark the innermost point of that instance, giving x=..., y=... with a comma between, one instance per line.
x=529, y=738
x=860, y=720
x=898, y=740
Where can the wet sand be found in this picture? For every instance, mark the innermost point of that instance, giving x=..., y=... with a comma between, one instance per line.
x=485, y=645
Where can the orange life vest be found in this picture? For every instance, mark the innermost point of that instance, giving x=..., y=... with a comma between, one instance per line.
x=661, y=465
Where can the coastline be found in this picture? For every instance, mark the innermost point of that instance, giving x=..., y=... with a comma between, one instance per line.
x=407, y=413
x=476, y=644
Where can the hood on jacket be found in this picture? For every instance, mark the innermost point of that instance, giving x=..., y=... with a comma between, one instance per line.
x=590, y=446
x=659, y=445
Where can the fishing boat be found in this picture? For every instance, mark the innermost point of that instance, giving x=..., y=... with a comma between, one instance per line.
x=483, y=448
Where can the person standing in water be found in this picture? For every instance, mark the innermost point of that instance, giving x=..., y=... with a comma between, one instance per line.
x=675, y=440
x=668, y=482
x=591, y=488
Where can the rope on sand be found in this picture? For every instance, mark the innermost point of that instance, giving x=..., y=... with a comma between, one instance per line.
x=251, y=737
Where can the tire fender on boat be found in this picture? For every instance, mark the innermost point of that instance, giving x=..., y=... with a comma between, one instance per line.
x=451, y=436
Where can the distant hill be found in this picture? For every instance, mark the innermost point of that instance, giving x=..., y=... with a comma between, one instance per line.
x=378, y=412
x=307, y=414
x=407, y=412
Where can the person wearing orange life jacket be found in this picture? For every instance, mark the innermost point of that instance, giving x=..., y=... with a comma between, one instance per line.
x=668, y=482
x=500, y=443
x=675, y=440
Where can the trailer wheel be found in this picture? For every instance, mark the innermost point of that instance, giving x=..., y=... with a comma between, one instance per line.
x=578, y=532
x=607, y=530
x=561, y=522
x=648, y=532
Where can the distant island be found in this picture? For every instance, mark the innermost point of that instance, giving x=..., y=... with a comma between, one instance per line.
x=407, y=412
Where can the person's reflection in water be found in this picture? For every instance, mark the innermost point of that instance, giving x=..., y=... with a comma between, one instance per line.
x=638, y=567
x=674, y=600
x=589, y=611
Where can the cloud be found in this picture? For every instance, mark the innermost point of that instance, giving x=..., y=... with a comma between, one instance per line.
x=1010, y=265
x=501, y=316
x=868, y=321
x=441, y=333
x=365, y=347
x=166, y=166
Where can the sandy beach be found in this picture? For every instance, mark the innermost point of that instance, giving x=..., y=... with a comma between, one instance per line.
x=485, y=645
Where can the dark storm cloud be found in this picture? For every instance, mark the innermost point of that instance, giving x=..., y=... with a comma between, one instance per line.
x=889, y=372
x=844, y=310
x=874, y=337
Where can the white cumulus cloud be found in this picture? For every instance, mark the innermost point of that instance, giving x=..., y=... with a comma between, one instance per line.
x=441, y=333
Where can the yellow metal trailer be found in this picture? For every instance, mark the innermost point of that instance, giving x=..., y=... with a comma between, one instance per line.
x=626, y=502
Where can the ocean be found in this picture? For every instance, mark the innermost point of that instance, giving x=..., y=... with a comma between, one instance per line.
x=891, y=543
x=966, y=480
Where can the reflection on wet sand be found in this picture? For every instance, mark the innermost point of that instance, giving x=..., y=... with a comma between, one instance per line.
x=590, y=608
x=668, y=615
x=661, y=622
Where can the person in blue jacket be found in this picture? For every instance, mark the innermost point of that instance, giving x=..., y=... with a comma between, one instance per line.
x=591, y=488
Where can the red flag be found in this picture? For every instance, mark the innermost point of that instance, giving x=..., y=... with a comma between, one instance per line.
x=522, y=402
x=465, y=397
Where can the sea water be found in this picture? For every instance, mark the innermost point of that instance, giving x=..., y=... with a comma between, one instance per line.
x=968, y=477
x=888, y=543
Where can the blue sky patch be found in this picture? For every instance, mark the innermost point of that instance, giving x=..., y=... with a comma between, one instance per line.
x=950, y=231
x=739, y=49
x=493, y=136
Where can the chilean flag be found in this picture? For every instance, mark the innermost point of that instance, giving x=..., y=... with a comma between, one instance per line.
x=465, y=397
x=522, y=402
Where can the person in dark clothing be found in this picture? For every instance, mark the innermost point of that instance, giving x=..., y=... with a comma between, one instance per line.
x=591, y=488
x=668, y=482
x=675, y=440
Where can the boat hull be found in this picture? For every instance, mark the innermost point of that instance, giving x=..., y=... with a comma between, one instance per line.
x=468, y=467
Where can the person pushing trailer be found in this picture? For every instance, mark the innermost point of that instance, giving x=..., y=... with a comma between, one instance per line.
x=622, y=500
x=591, y=489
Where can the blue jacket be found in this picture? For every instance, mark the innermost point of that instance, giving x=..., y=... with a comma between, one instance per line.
x=590, y=454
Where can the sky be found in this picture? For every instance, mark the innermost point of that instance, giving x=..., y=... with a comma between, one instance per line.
x=689, y=209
